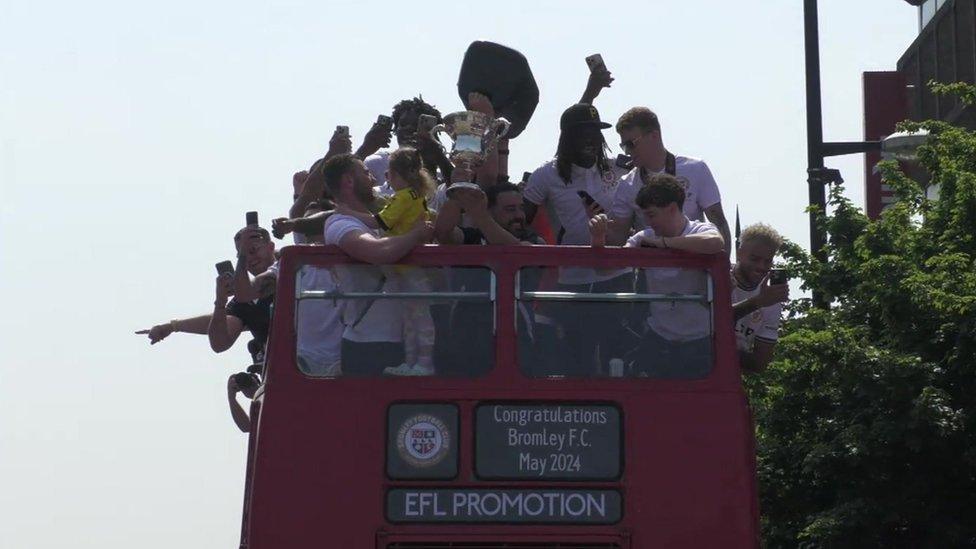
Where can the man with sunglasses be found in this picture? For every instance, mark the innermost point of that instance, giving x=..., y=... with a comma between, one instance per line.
x=640, y=137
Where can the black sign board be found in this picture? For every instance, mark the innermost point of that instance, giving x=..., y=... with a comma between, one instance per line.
x=422, y=441
x=555, y=506
x=547, y=441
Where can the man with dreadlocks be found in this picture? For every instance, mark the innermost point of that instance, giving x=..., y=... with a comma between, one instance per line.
x=576, y=185
x=406, y=115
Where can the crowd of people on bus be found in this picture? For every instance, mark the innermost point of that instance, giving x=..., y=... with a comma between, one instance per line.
x=378, y=203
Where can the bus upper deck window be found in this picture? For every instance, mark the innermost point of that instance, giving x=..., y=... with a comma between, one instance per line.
x=365, y=320
x=649, y=322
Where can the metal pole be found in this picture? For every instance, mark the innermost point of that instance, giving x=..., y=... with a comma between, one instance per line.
x=815, y=157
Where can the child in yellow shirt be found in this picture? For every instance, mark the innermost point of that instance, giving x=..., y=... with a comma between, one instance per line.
x=413, y=184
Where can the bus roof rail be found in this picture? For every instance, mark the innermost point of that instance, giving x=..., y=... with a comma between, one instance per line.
x=620, y=297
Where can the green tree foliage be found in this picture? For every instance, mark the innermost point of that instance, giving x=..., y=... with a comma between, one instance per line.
x=866, y=422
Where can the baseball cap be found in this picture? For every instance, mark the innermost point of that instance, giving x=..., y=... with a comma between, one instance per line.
x=581, y=114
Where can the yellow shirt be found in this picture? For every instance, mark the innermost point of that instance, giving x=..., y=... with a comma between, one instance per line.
x=402, y=211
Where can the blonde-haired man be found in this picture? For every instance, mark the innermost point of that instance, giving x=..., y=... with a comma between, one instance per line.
x=757, y=301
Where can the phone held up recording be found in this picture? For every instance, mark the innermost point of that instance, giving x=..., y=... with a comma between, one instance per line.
x=425, y=123
x=778, y=276
x=225, y=267
x=251, y=219
x=595, y=62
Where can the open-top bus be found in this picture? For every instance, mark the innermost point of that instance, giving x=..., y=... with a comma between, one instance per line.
x=503, y=447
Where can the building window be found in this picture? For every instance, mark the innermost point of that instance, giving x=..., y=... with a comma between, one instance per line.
x=927, y=11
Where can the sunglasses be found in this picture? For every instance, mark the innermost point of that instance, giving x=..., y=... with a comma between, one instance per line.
x=631, y=143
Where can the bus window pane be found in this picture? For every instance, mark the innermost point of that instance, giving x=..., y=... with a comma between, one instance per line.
x=395, y=321
x=629, y=323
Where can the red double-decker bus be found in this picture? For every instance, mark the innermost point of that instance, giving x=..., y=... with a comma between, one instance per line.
x=516, y=441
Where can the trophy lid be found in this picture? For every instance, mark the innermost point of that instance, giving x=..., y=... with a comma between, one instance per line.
x=503, y=74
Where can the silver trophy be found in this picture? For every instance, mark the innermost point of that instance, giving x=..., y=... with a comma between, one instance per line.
x=474, y=135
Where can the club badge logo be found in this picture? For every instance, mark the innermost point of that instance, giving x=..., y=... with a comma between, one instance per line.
x=423, y=440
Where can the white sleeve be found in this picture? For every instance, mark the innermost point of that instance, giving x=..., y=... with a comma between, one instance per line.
x=769, y=329
x=708, y=193
x=623, y=199
x=635, y=240
x=437, y=201
x=536, y=190
x=337, y=230
x=704, y=227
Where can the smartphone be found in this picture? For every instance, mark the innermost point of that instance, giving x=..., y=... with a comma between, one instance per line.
x=586, y=197
x=624, y=161
x=251, y=219
x=426, y=122
x=385, y=121
x=342, y=131
x=595, y=62
x=225, y=267
x=778, y=276
x=526, y=176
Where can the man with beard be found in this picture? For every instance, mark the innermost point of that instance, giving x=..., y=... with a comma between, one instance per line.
x=373, y=336
x=498, y=216
x=576, y=185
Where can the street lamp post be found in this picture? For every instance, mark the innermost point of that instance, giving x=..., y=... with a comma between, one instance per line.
x=818, y=176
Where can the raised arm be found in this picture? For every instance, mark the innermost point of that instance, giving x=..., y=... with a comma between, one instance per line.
x=375, y=139
x=446, y=229
x=475, y=204
x=487, y=174
x=223, y=329
x=599, y=79
x=315, y=182
x=769, y=294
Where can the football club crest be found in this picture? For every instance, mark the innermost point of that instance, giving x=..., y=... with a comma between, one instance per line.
x=423, y=440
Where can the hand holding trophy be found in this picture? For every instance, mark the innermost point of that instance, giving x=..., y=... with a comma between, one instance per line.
x=474, y=135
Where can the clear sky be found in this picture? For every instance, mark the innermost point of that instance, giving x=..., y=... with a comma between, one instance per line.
x=134, y=136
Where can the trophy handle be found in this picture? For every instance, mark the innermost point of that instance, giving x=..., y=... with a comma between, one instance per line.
x=501, y=127
x=435, y=135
